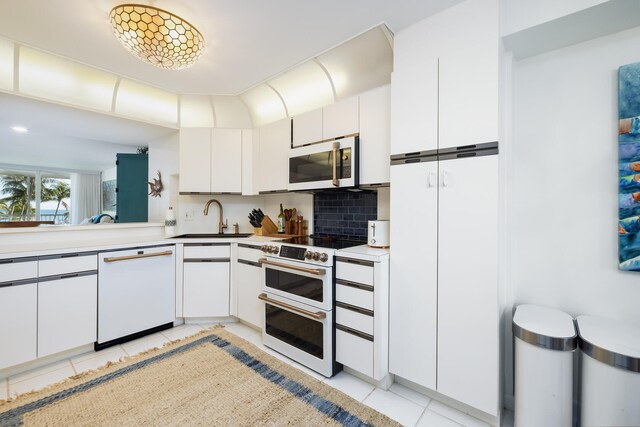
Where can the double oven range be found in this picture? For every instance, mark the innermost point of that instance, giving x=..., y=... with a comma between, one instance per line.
x=298, y=292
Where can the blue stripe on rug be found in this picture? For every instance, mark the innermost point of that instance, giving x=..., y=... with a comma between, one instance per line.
x=14, y=417
x=330, y=409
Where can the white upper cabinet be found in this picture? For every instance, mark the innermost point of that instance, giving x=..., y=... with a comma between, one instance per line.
x=445, y=80
x=340, y=119
x=374, y=136
x=195, y=160
x=307, y=128
x=250, y=161
x=226, y=161
x=275, y=142
x=469, y=75
x=414, y=108
x=210, y=160
x=333, y=121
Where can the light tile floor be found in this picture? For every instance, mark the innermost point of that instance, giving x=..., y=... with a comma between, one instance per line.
x=399, y=403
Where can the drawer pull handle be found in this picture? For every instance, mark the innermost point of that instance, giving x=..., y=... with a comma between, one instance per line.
x=354, y=332
x=127, y=257
x=318, y=315
x=354, y=308
x=351, y=284
x=247, y=262
x=356, y=261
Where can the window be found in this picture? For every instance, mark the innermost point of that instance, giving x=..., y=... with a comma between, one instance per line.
x=35, y=196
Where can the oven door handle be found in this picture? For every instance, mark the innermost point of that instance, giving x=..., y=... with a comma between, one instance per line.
x=314, y=271
x=317, y=315
x=334, y=157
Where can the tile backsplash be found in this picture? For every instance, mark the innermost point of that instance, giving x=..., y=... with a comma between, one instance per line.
x=344, y=213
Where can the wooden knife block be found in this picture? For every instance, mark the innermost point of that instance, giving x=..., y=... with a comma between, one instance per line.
x=267, y=227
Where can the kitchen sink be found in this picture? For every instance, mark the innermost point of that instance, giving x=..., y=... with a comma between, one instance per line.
x=211, y=235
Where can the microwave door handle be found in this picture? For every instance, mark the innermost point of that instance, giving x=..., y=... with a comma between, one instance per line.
x=334, y=157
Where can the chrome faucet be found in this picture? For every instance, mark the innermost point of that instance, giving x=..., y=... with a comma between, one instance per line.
x=221, y=225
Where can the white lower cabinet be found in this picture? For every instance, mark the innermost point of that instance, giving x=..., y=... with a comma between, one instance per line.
x=361, y=313
x=18, y=323
x=206, y=281
x=67, y=313
x=248, y=284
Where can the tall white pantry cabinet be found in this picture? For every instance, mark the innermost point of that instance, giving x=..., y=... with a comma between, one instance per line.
x=444, y=306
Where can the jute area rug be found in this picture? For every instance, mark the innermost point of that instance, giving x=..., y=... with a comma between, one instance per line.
x=212, y=378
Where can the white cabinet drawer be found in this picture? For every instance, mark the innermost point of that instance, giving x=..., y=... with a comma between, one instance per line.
x=352, y=295
x=249, y=252
x=354, y=270
x=355, y=352
x=67, y=263
x=18, y=269
x=206, y=251
x=353, y=319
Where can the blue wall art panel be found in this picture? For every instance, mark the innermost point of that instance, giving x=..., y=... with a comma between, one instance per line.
x=629, y=166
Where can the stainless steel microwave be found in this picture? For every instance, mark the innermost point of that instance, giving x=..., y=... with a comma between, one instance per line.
x=331, y=164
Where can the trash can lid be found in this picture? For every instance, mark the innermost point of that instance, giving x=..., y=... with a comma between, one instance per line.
x=614, y=342
x=544, y=327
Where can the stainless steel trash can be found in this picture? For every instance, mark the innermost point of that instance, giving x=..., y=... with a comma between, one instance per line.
x=545, y=340
x=610, y=355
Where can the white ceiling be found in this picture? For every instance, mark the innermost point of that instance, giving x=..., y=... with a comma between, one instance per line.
x=247, y=41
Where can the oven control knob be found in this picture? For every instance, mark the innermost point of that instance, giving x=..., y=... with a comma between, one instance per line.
x=308, y=254
x=265, y=248
x=324, y=257
x=274, y=249
x=316, y=256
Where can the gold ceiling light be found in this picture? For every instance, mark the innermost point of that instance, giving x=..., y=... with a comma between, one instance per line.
x=157, y=36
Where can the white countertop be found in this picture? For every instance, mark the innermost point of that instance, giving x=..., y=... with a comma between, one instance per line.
x=364, y=252
x=102, y=244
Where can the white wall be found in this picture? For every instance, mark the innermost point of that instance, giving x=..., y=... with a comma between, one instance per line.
x=522, y=14
x=163, y=157
x=384, y=210
x=237, y=209
x=562, y=182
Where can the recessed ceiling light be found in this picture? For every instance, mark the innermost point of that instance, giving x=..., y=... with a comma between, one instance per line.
x=20, y=129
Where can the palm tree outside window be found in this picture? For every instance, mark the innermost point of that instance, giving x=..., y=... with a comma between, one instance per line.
x=19, y=191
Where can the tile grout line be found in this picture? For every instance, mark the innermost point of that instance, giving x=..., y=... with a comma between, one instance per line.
x=73, y=368
x=411, y=400
x=420, y=417
x=365, y=398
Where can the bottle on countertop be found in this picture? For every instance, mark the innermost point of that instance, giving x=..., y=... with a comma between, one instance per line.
x=281, y=220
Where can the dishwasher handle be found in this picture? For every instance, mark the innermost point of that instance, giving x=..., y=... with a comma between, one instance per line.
x=128, y=257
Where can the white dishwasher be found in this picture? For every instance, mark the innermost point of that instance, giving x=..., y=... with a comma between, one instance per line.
x=136, y=293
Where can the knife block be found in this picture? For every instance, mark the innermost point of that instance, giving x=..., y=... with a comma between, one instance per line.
x=267, y=227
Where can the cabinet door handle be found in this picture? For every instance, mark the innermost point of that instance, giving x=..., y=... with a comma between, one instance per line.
x=445, y=179
x=432, y=179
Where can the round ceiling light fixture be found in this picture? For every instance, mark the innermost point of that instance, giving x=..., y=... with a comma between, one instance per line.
x=157, y=36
